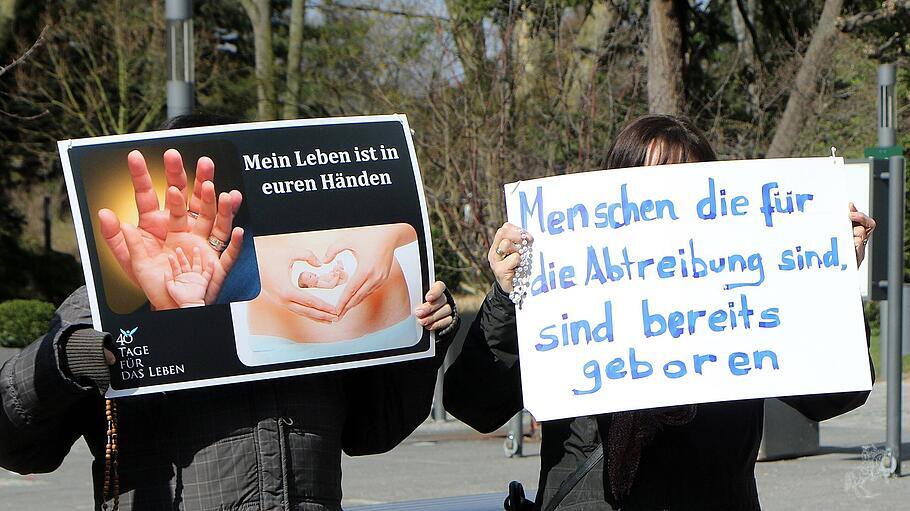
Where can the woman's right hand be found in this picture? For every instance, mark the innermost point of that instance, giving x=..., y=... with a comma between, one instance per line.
x=504, y=256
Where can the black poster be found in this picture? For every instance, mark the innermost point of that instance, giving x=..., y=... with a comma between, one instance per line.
x=249, y=251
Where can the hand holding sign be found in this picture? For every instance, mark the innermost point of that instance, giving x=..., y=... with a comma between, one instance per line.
x=503, y=255
x=143, y=251
x=863, y=225
x=435, y=313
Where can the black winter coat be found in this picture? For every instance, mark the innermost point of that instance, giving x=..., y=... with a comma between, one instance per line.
x=266, y=445
x=706, y=464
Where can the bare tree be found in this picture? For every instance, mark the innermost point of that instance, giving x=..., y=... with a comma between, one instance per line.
x=805, y=90
x=260, y=14
x=742, y=12
x=589, y=48
x=470, y=41
x=295, y=46
x=532, y=98
x=665, y=57
x=267, y=94
x=100, y=87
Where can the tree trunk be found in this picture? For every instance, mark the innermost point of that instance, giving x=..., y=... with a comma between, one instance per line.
x=470, y=41
x=587, y=51
x=531, y=49
x=8, y=10
x=742, y=12
x=665, y=58
x=259, y=12
x=295, y=47
x=802, y=96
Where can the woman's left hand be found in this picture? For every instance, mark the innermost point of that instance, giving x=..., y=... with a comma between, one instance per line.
x=435, y=313
x=863, y=225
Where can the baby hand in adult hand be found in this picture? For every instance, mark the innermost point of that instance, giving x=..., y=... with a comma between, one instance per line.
x=503, y=256
x=142, y=251
x=863, y=225
x=435, y=313
x=187, y=281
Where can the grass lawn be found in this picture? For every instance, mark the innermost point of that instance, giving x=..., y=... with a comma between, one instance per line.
x=875, y=350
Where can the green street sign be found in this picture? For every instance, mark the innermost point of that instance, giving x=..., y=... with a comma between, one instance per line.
x=883, y=152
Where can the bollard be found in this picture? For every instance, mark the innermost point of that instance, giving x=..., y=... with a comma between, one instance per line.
x=787, y=433
x=514, y=443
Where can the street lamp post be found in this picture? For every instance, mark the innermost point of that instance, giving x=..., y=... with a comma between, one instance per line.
x=180, y=76
x=890, y=154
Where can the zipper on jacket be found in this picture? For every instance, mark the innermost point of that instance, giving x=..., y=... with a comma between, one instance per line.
x=282, y=448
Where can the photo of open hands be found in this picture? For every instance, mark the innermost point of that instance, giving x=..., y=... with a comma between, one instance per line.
x=180, y=255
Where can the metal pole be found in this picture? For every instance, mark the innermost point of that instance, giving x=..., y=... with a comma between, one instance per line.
x=514, y=443
x=895, y=317
x=179, y=16
x=47, y=224
x=883, y=331
x=439, y=411
x=887, y=75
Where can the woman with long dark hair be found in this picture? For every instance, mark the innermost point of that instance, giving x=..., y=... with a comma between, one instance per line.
x=698, y=457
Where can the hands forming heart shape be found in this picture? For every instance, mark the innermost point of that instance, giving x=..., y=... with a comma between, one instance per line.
x=323, y=282
x=356, y=262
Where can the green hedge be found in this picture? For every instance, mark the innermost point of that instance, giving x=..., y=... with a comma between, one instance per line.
x=23, y=321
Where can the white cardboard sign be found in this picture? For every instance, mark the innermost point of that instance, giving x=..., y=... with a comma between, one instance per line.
x=677, y=284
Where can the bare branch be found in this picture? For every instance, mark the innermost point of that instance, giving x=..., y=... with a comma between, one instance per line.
x=896, y=40
x=28, y=53
x=378, y=10
x=24, y=117
x=750, y=26
x=888, y=10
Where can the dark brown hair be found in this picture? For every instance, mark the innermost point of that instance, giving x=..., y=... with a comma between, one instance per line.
x=678, y=140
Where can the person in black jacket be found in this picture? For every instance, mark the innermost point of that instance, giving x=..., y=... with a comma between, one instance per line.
x=267, y=445
x=696, y=457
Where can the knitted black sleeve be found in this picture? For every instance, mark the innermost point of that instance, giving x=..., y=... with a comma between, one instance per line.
x=83, y=358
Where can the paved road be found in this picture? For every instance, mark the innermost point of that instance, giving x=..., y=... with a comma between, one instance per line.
x=839, y=479
x=450, y=460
